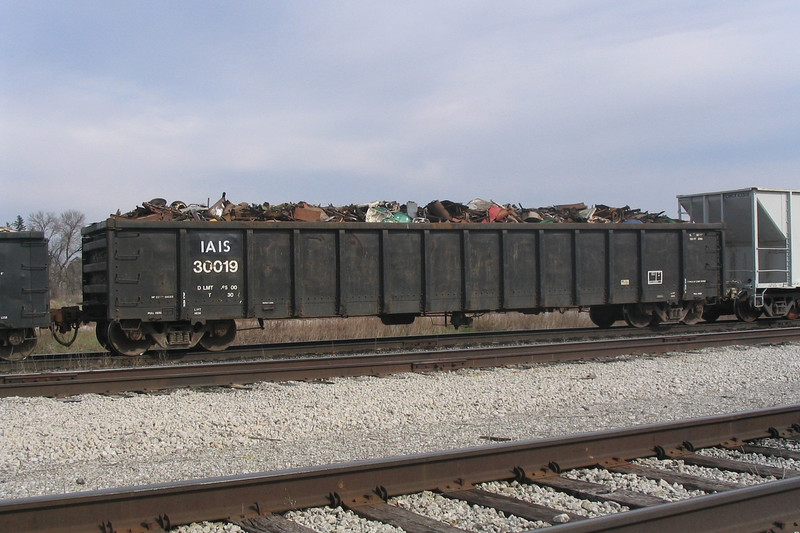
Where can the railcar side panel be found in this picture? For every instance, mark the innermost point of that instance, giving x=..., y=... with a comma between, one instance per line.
x=403, y=271
x=214, y=266
x=24, y=284
x=483, y=270
x=315, y=275
x=702, y=264
x=443, y=271
x=143, y=275
x=556, y=263
x=591, y=263
x=624, y=264
x=520, y=269
x=359, y=268
x=660, y=270
x=270, y=294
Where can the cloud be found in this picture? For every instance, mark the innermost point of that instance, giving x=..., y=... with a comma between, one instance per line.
x=627, y=102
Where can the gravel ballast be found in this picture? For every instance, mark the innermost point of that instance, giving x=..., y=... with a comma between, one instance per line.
x=51, y=446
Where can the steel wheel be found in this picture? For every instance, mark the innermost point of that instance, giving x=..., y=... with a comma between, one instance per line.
x=694, y=314
x=220, y=335
x=638, y=315
x=744, y=310
x=101, y=332
x=20, y=344
x=126, y=343
x=711, y=314
x=603, y=316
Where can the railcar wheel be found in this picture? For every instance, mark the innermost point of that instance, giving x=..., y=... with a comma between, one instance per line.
x=101, y=332
x=745, y=311
x=604, y=316
x=124, y=342
x=711, y=314
x=638, y=315
x=19, y=344
x=694, y=314
x=220, y=335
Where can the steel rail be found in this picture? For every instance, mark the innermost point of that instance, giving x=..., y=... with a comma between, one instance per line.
x=63, y=361
x=757, y=508
x=349, y=346
x=149, y=508
x=243, y=372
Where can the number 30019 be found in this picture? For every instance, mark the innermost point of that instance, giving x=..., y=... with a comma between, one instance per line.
x=217, y=267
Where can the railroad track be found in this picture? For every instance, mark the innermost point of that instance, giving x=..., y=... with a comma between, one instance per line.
x=243, y=372
x=375, y=489
x=97, y=360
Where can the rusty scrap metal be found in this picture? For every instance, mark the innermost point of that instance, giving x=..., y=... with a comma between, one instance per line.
x=477, y=211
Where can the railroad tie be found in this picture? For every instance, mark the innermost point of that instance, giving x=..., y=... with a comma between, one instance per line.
x=271, y=524
x=766, y=450
x=511, y=506
x=597, y=492
x=397, y=516
x=737, y=466
x=688, y=481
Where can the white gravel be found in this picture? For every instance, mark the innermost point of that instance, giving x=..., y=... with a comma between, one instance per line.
x=788, y=444
x=50, y=446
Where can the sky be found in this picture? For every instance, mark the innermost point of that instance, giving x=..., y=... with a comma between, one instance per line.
x=107, y=104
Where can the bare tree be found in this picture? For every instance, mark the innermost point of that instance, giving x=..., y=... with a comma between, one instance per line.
x=64, y=248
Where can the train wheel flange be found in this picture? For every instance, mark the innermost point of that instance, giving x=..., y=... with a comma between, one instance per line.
x=101, y=332
x=638, y=315
x=126, y=342
x=220, y=335
x=711, y=314
x=20, y=345
x=603, y=316
x=694, y=314
x=745, y=311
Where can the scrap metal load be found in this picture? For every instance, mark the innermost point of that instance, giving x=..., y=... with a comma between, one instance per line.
x=437, y=211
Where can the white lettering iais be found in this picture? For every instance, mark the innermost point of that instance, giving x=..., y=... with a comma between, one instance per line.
x=212, y=247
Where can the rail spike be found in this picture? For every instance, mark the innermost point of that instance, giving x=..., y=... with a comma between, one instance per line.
x=661, y=453
x=335, y=499
x=164, y=521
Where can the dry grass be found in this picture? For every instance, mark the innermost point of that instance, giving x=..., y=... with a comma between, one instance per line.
x=85, y=342
x=316, y=329
x=371, y=327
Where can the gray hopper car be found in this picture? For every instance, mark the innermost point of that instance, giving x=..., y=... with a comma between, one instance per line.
x=762, y=249
x=24, y=292
x=179, y=284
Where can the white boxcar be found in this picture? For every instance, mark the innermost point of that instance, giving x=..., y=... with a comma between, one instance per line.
x=762, y=247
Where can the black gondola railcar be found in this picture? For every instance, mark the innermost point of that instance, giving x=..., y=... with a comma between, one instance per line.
x=179, y=284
